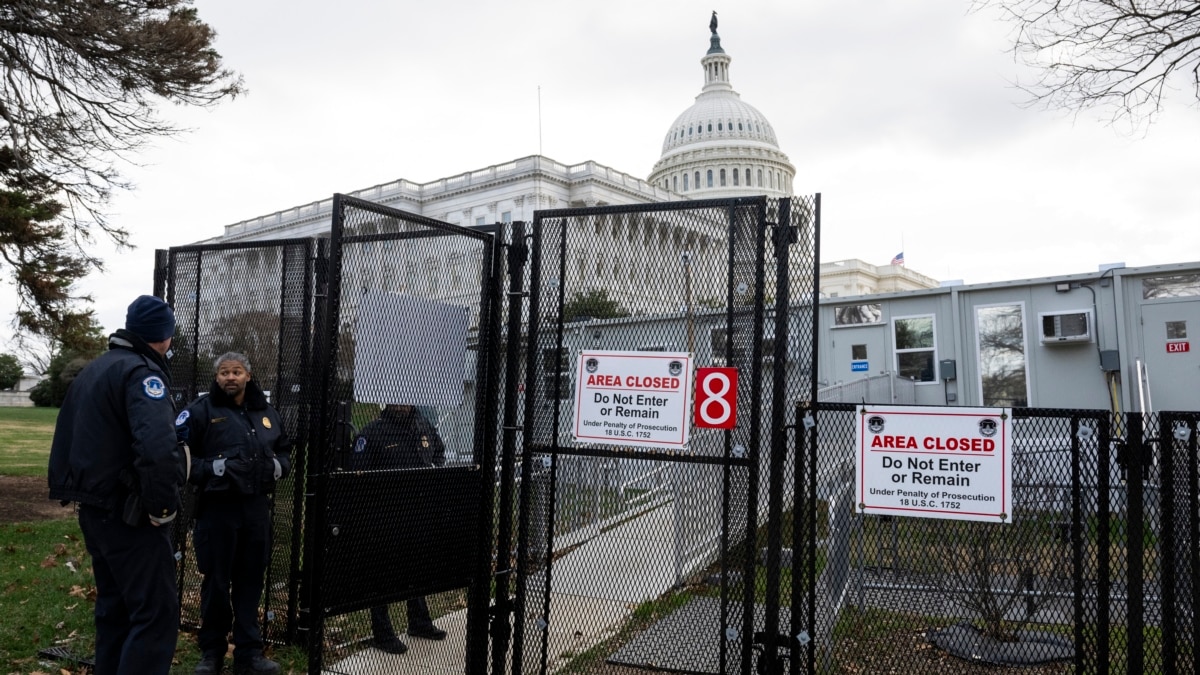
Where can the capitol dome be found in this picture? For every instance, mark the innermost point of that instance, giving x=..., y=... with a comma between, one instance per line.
x=722, y=146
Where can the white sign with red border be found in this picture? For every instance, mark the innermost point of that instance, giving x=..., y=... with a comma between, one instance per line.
x=633, y=398
x=935, y=462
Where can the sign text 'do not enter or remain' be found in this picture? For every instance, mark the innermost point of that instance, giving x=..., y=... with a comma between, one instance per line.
x=935, y=462
x=632, y=398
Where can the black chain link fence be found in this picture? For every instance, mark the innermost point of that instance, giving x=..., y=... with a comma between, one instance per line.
x=540, y=544
x=1092, y=574
x=400, y=527
x=637, y=549
x=255, y=298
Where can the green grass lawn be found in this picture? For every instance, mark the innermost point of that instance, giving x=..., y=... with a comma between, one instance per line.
x=47, y=597
x=25, y=435
x=45, y=572
x=46, y=592
x=46, y=585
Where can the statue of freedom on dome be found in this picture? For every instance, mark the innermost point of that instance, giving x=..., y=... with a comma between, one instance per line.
x=712, y=24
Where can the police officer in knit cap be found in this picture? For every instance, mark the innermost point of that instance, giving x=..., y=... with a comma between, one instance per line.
x=115, y=453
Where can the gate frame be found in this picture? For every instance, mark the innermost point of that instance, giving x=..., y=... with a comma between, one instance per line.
x=165, y=288
x=783, y=234
x=1131, y=442
x=306, y=620
x=326, y=328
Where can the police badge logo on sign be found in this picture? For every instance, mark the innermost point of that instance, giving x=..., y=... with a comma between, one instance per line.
x=154, y=388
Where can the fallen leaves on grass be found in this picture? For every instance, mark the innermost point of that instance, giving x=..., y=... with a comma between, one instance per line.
x=85, y=592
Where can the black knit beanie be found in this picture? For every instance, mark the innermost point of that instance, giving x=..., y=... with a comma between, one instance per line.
x=150, y=319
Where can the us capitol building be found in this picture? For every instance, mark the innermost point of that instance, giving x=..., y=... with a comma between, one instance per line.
x=719, y=147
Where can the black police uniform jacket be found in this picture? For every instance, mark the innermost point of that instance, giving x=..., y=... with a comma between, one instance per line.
x=114, y=433
x=233, y=445
x=397, y=440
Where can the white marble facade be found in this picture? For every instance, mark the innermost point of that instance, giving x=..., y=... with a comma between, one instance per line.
x=718, y=147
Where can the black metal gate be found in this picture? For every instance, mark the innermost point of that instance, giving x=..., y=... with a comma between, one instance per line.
x=1094, y=573
x=667, y=558
x=520, y=539
x=541, y=549
x=411, y=323
x=255, y=298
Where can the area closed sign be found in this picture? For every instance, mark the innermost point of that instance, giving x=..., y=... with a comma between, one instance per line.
x=935, y=462
x=633, y=398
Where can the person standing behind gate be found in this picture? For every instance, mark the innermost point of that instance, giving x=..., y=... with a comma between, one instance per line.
x=115, y=453
x=401, y=438
x=240, y=452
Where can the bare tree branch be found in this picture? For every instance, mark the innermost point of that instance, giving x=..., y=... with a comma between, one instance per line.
x=80, y=86
x=1121, y=55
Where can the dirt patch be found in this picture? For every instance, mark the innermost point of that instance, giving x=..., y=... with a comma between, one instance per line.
x=24, y=499
x=909, y=652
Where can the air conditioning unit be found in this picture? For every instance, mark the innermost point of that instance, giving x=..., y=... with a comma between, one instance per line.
x=1063, y=328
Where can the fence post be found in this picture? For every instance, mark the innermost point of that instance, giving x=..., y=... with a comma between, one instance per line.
x=1135, y=540
x=501, y=628
x=162, y=271
x=328, y=285
x=778, y=457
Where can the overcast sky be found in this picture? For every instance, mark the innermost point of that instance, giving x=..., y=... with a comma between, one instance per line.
x=900, y=113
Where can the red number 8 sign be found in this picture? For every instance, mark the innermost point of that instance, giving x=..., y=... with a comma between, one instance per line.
x=716, y=398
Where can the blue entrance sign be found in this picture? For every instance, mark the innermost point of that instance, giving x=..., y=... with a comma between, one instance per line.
x=859, y=366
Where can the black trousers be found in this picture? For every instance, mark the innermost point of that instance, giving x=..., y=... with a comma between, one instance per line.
x=418, y=618
x=137, y=600
x=233, y=547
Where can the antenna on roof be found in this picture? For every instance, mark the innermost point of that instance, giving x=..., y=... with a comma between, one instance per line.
x=539, y=119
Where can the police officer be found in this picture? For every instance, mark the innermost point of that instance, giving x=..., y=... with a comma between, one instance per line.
x=116, y=454
x=240, y=451
x=401, y=438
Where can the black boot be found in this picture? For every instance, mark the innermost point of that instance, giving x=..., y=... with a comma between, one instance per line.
x=210, y=664
x=392, y=645
x=430, y=632
x=255, y=665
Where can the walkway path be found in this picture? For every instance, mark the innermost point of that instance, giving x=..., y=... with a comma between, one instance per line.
x=595, y=588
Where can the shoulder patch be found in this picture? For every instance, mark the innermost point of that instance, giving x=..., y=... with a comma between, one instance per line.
x=154, y=388
x=183, y=417
x=361, y=444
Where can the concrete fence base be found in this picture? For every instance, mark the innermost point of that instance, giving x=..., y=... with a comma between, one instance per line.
x=15, y=399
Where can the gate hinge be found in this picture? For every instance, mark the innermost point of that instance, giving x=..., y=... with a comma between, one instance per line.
x=500, y=614
x=518, y=254
x=786, y=234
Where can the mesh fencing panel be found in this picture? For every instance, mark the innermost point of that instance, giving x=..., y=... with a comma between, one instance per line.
x=738, y=551
x=1178, y=538
x=1092, y=574
x=254, y=298
x=400, y=521
x=632, y=551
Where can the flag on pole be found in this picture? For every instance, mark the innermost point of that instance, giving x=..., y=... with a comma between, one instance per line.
x=898, y=259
